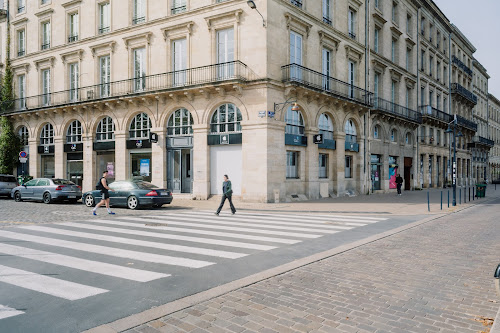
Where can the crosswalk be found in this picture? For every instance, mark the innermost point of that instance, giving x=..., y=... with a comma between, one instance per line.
x=165, y=244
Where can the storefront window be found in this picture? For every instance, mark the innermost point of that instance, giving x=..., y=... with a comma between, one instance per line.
x=226, y=118
x=375, y=172
x=393, y=171
x=23, y=135
x=105, y=130
x=350, y=132
x=325, y=126
x=48, y=166
x=180, y=123
x=140, y=127
x=47, y=135
x=323, y=165
x=74, y=134
x=292, y=164
x=294, y=122
x=348, y=167
x=141, y=166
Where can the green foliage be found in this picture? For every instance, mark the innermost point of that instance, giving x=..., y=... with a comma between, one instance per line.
x=10, y=146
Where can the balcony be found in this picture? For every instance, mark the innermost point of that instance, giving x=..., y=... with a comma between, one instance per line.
x=72, y=39
x=327, y=20
x=428, y=111
x=466, y=123
x=45, y=46
x=20, y=53
x=103, y=30
x=137, y=20
x=225, y=74
x=297, y=3
x=179, y=9
x=352, y=35
x=480, y=142
x=3, y=10
x=461, y=65
x=400, y=111
x=462, y=91
x=296, y=74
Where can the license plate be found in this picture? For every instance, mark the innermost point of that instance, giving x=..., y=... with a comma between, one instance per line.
x=71, y=196
x=164, y=193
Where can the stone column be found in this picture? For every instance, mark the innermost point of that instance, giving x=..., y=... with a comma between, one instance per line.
x=89, y=163
x=434, y=170
x=59, y=157
x=360, y=166
x=385, y=167
x=338, y=163
x=122, y=160
x=201, y=162
x=426, y=170
x=34, y=158
x=159, y=158
x=416, y=167
x=312, y=165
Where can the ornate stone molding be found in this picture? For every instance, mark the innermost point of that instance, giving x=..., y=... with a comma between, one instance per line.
x=178, y=30
x=223, y=18
x=296, y=22
x=73, y=55
x=49, y=61
x=144, y=37
x=108, y=47
x=327, y=39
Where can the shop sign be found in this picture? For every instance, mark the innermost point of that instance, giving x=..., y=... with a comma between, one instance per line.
x=73, y=147
x=262, y=114
x=318, y=138
x=153, y=137
x=224, y=139
x=46, y=149
x=144, y=167
x=111, y=169
x=138, y=143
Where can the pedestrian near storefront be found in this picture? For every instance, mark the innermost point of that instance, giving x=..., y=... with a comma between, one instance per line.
x=103, y=186
x=227, y=193
x=399, y=183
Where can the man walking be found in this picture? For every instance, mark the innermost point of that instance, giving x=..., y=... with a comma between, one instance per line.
x=399, y=183
x=227, y=192
x=103, y=186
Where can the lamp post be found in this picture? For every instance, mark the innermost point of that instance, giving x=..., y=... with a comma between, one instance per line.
x=452, y=128
x=252, y=5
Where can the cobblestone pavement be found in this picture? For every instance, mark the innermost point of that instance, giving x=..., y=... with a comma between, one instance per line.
x=437, y=277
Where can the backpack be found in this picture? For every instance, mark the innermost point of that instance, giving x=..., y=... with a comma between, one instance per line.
x=99, y=186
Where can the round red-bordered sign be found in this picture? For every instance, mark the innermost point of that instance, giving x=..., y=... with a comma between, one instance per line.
x=23, y=154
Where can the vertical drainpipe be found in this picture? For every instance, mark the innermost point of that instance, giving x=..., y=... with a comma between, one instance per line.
x=450, y=66
x=418, y=98
x=367, y=88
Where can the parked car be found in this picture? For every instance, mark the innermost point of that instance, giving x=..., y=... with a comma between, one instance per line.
x=7, y=183
x=48, y=190
x=132, y=194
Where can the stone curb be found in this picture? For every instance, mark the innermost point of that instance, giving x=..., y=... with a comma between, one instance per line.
x=138, y=319
x=496, y=323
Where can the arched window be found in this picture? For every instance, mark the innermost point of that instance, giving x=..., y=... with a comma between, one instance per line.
x=325, y=126
x=226, y=118
x=47, y=135
x=23, y=135
x=105, y=130
x=294, y=122
x=74, y=133
x=376, y=132
x=180, y=123
x=394, y=135
x=350, y=131
x=140, y=127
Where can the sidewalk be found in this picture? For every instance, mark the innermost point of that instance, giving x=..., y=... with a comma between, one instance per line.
x=410, y=203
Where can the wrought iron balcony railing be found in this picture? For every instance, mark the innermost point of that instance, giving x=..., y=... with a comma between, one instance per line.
x=297, y=3
x=179, y=9
x=352, y=35
x=170, y=81
x=429, y=111
x=294, y=73
x=462, y=91
x=484, y=141
x=327, y=20
x=397, y=110
x=72, y=39
x=137, y=20
x=45, y=46
x=20, y=53
x=461, y=65
x=103, y=30
x=466, y=123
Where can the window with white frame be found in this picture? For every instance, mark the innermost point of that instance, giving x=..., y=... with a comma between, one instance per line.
x=422, y=96
x=105, y=130
x=47, y=135
x=104, y=75
x=21, y=6
x=73, y=82
x=376, y=87
x=226, y=118
x=139, y=13
x=408, y=98
x=351, y=21
x=326, y=67
x=74, y=133
x=325, y=126
x=348, y=167
x=225, y=53
x=21, y=91
x=438, y=102
x=323, y=166
x=178, y=6
x=408, y=24
x=376, y=39
x=394, y=50
x=327, y=18
x=377, y=4
x=21, y=42
x=104, y=18
x=445, y=105
x=295, y=54
x=23, y=135
x=45, y=35
x=294, y=122
x=46, y=87
x=394, y=92
x=350, y=132
x=422, y=60
x=140, y=127
x=139, y=69
x=292, y=164
x=73, y=27
x=180, y=123
x=351, y=77
x=179, y=61
x=394, y=12
x=431, y=63
x=438, y=71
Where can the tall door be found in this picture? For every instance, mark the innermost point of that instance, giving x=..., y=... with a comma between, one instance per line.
x=179, y=61
x=187, y=162
x=407, y=175
x=225, y=53
x=327, y=58
x=174, y=170
x=295, y=55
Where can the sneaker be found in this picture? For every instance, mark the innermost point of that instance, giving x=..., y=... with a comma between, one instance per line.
x=111, y=213
x=233, y=213
x=94, y=213
x=216, y=214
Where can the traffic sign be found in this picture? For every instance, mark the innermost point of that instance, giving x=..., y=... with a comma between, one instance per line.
x=23, y=159
x=23, y=154
x=318, y=138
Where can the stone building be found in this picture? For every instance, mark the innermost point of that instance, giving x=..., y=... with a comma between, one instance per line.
x=494, y=134
x=181, y=92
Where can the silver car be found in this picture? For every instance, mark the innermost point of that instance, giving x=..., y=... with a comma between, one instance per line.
x=7, y=183
x=48, y=190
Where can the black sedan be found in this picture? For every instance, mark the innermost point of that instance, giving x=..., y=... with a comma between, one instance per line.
x=131, y=194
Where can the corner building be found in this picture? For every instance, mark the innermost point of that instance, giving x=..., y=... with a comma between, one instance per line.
x=229, y=92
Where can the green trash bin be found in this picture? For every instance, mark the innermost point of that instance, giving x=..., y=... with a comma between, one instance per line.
x=480, y=190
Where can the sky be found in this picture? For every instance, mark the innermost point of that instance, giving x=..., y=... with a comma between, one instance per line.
x=479, y=21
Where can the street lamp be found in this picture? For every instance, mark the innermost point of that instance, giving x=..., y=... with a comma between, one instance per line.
x=252, y=5
x=452, y=128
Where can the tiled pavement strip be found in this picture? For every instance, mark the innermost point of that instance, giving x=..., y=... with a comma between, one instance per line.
x=436, y=277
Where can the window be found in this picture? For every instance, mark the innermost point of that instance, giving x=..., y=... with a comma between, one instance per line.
x=350, y=132
x=438, y=72
x=325, y=126
x=180, y=123
x=326, y=12
x=294, y=122
x=179, y=61
x=445, y=104
x=326, y=66
x=431, y=62
x=445, y=75
x=352, y=23
x=74, y=133
x=46, y=87
x=178, y=6
x=376, y=132
x=139, y=11
x=438, y=39
x=21, y=43
x=73, y=82
x=422, y=26
x=105, y=130
x=45, y=35
x=394, y=13
x=408, y=138
x=394, y=93
x=21, y=6
x=104, y=18
x=292, y=164
x=422, y=96
x=295, y=54
x=73, y=28
x=376, y=86
x=376, y=39
x=438, y=102
x=139, y=69
x=431, y=97
x=226, y=118
x=45, y=2
x=140, y=127
x=377, y=4
x=422, y=134
x=408, y=24
x=394, y=50
x=408, y=59
x=323, y=166
x=348, y=167
x=104, y=76
x=47, y=135
x=394, y=135
x=422, y=60
x=23, y=135
x=351, y=78
x=225, y=53
x=21, y=91
x=297, y=3
x=438, y=137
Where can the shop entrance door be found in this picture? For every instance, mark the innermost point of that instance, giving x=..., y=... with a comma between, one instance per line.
x=75, y=172
x=179, y=170
x=408, y=165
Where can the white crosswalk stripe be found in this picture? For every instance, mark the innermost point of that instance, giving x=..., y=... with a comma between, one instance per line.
x=46, y=284
x=6, y=312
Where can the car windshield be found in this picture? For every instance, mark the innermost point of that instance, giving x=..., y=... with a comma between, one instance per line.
x=145, y=185
x=62, y=182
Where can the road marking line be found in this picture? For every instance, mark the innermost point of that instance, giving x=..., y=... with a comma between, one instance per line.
x=82, y=264
x=198, y=231
x=6, y=312
x=110, y=251
x=357, y=218
x=209, y=226
x=131, y=241
x=47, y=285
x=169, y=236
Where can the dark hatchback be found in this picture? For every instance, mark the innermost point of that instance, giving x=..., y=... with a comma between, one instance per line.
x=131, y=194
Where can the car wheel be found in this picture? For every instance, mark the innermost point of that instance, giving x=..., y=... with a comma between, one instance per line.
x=17, y=196
x=47, y=198
x=89, y=200
x=132, y=202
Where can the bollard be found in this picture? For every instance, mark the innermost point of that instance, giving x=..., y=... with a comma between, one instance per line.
x=428, y=202
x=473, y=194
x=448, y=198
x=441, y=200
x=465, y=194
x=460, y=196
x=469, y=193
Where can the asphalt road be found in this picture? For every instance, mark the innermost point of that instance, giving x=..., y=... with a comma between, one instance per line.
x=71, y=276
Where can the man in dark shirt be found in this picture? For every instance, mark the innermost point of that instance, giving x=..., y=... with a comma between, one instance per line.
x=227, y=192
x=104, y=194
x=399, y=183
